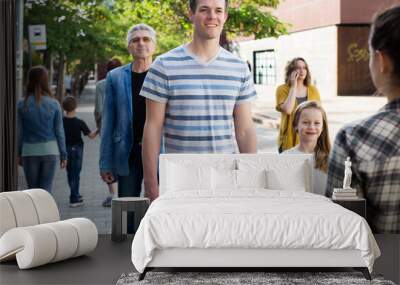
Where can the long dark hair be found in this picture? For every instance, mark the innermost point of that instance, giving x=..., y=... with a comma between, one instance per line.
x=38, y=83
x=291, y=66
x=385, y=36
x=323, y=146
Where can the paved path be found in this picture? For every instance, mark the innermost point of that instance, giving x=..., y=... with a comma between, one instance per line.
x=92, y=188
x=340, y=111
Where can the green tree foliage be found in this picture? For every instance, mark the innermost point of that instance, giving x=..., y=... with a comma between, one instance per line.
x=172, y=30
x=74, y=31
x=74, y=27
x=253, y=17
x=83, y=32
x=246, y=17
x=95, y=29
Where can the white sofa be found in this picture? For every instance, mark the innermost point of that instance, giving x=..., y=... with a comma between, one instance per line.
x=31, y=231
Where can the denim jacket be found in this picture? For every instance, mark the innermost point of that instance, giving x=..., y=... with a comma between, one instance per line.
x=40, y=123
x=116, y=125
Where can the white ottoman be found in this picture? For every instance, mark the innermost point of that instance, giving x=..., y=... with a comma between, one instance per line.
x=31, y=232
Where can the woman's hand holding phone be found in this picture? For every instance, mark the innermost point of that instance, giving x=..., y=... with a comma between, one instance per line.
x=293, y=78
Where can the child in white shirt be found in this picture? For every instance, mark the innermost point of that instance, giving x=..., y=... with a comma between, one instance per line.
x=311, y=124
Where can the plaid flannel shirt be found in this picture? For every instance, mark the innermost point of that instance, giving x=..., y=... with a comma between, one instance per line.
x=373, y=146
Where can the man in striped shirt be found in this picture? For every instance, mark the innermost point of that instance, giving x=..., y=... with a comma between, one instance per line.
x=199, y=94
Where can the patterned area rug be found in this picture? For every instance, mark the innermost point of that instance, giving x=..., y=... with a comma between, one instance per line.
x=243, y=278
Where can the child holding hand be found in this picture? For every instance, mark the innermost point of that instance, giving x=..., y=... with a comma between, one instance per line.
x=74, y=127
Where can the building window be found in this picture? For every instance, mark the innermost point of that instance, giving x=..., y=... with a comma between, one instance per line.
x=264, y=67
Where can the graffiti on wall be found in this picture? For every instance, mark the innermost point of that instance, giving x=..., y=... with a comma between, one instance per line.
x=353, y=56
x=356, y=53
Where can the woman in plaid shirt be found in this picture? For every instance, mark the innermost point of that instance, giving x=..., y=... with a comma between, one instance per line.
x=374, y=143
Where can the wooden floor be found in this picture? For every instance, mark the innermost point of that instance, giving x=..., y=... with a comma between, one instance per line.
x=102, y=266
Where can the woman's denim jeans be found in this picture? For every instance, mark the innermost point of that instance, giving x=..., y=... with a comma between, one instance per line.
x=39, y=171
x=74, y=167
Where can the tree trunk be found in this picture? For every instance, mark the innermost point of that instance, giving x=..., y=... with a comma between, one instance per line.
x=48, y=62
x=60, y=80
x=75, y=84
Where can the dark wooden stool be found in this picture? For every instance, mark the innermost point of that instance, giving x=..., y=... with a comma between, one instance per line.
x=120, y=207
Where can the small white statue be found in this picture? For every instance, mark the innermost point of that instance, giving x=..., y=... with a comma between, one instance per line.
x=347, y=174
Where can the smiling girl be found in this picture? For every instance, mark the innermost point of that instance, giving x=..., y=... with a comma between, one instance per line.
x=311, y=125
x=296, y=90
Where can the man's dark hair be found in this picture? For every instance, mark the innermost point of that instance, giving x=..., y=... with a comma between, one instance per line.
x=113, y=63
x=69, y=104
x=385, y=35
x=193, y=5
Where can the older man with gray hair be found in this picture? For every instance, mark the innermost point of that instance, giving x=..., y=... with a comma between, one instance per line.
x=124, y=113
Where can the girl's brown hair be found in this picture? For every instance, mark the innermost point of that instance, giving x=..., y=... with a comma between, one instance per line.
x=291, y=66
x=38, y=83
x=323, y=146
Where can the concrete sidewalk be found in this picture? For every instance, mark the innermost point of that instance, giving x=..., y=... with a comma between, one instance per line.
x=92, y=188
x=341, y=110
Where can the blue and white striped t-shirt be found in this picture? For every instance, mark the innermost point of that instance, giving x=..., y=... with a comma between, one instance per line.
x=200, y=99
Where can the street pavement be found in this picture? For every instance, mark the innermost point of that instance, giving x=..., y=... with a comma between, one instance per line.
x=340, y=110
x=92, y=188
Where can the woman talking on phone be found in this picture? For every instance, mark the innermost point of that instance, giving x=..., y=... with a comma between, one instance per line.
x=296, y=90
